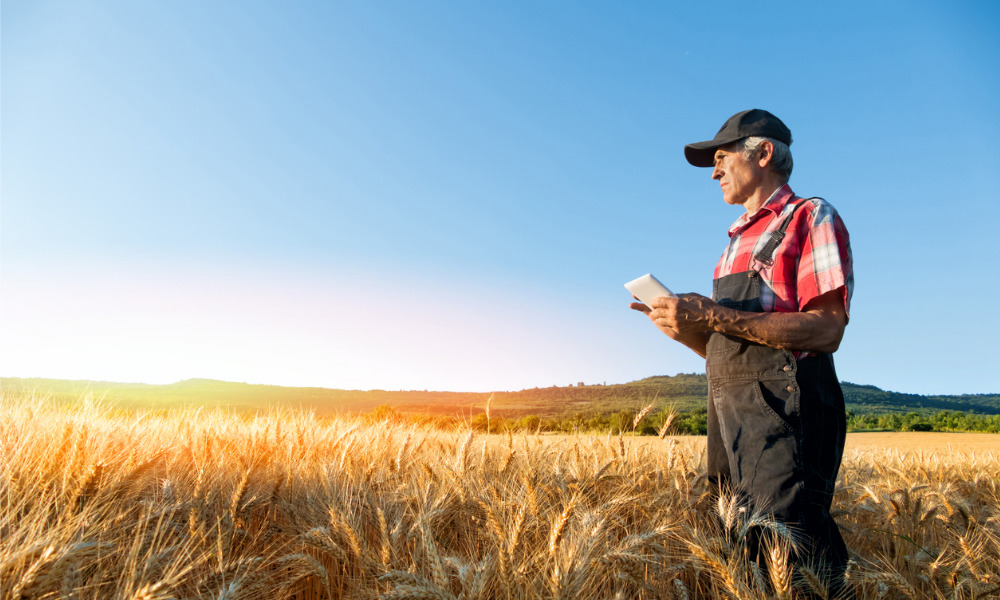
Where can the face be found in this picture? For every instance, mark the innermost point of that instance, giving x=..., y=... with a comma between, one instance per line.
x=738, y=176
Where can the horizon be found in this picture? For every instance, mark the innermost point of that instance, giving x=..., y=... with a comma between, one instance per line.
x=451, y=197
x=498, y=391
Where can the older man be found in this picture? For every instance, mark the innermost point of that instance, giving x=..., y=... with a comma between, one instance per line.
x=779, y=306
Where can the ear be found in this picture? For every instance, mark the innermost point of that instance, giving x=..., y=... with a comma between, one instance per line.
x=765, y=153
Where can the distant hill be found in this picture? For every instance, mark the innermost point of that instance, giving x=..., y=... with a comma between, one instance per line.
x=868, y=398
x=684, y=392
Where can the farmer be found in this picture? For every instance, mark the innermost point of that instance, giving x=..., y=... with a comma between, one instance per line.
x=779, y=306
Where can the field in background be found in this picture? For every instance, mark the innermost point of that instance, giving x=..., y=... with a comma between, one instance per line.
x=210, y=504
x=948, y=445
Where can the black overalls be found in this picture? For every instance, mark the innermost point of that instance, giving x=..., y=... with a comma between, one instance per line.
x=776, y=425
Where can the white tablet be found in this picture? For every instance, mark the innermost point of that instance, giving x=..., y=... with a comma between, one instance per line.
x=648, y=288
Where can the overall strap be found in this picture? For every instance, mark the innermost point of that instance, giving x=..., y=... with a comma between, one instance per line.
x=766, y=252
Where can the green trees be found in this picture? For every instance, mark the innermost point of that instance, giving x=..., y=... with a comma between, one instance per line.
x=945, y=420
x=692, y=422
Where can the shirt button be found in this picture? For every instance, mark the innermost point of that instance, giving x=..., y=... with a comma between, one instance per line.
x=787, y=368
x=790, y=388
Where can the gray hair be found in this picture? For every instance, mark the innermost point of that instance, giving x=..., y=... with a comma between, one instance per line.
x=781, y=163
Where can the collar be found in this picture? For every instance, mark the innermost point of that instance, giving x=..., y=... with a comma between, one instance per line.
x=774, y=205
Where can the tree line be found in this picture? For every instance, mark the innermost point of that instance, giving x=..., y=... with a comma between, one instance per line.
x=692, y=422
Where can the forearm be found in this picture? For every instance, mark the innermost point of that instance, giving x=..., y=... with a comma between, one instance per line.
x=802, y=331
x=691, y=318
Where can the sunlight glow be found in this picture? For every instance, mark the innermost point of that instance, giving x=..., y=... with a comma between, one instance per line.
x=271, y=328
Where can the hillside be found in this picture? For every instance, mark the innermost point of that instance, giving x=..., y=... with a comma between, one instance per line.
x=868, y=398
x=684, y=392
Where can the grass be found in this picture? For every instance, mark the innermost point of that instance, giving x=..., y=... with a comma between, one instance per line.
x=211, y=504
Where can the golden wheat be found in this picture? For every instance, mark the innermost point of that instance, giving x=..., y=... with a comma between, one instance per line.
x=100, y=504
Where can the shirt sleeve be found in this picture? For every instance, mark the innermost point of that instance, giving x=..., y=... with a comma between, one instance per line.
x=826, y=263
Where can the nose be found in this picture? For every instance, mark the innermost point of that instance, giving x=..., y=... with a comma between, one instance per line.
x=716, y=172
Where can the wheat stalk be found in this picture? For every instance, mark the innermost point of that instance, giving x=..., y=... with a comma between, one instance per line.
x=662, y=433
x=779, y=569
x=431, y=551
x=681, y=590
x=641, y=415
x=489, y=401
x=239, y=494
x=560, y=525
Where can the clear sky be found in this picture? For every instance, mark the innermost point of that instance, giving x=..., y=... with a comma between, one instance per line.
x=450, y=195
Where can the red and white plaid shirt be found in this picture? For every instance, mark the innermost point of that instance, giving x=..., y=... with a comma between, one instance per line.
x=813, y=258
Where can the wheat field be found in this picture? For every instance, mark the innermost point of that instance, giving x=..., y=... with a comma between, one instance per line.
x=100, y=504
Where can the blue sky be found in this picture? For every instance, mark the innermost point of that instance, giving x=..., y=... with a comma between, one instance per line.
x=432, y=195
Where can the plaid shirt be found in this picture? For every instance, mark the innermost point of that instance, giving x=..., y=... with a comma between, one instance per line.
x=813, y=258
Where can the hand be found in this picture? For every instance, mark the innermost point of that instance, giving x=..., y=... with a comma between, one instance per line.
x=684, y=318
x=679, y=317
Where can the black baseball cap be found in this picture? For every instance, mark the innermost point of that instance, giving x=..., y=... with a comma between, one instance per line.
x=741, y=125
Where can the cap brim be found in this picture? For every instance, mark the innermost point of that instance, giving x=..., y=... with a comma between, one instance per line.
x=702, y=154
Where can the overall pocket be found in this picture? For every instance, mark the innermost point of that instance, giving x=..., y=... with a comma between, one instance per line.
x=776, y=399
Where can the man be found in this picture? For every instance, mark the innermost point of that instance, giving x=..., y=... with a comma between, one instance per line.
x=779, y=306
